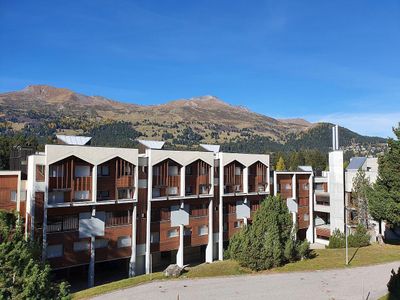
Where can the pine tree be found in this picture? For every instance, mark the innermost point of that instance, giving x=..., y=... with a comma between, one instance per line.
x=22, y=275
x=359, y=194
x=280, y=165
x=384, y=197
x=262, y=245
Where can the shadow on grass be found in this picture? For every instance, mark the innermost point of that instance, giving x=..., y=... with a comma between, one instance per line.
x=354, y=255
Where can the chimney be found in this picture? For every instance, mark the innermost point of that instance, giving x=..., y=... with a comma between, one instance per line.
x=333, y=138
x=337, y=137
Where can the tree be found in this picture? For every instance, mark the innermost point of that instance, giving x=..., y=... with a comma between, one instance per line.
x=359, y=195
x=22, y=275
x=269, y=241
x=384, y=197
x=280, y=165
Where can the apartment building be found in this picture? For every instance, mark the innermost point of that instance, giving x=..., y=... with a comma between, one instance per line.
x=149, y=207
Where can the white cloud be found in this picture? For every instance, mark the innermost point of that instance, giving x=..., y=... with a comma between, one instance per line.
x=372, y=124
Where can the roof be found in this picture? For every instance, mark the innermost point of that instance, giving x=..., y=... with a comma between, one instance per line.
x=356, y=163
x=74, y=139
x=152, y=144
x=210, y=148
x=305, y=168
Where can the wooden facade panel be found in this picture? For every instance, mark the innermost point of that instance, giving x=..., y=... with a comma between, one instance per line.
x=8, y=186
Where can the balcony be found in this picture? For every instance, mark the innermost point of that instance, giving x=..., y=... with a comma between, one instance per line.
x=166, y=179
x=197, y=179
x=233, y=178
x=323, y=231
x=258, y=178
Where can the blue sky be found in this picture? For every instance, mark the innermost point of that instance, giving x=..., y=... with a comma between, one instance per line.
x=336, y=61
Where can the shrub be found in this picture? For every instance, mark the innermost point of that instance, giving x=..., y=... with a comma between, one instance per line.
x=304, y=250
x=360, y=238
x=337, y=239
x=394, y=285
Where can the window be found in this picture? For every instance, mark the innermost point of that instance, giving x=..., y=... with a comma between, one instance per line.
x=81, y=195
x=82, y=171
x=40, y=169
x=154, y=237
x=173, y=190
x=238, y=171
x=125, y=193
x=124, y=241
x=156, y=192
x=188, y=170
x=173, y=171
x=56, y=197
x=305, y=186
x=225, y=226
x=188, y=190
x=81, y=246
x=203, y=189
x=55, y=251
x=103, y=195
x=13, y=196
x=100, y=243
x=287, y=186
x=203, y=230
x=103, y=170
x=187, y=232
x=237, y=224
x=56, y=171
x=319, y=187
x=156, y=171
x=306, y=217
x=172, y=233
x=127, y=170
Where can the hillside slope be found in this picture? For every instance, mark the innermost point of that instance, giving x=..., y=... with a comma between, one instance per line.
x=43, y=111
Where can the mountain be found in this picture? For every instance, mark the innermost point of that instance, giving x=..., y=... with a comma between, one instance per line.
x=43, y=111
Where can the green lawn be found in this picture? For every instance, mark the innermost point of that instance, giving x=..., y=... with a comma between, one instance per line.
x=325, y=259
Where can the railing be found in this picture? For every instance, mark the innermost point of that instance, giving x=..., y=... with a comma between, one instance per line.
x=322, y=200
x=112, y=220
x=66, y=223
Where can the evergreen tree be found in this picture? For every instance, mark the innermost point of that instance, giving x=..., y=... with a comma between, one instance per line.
x=269, y=241
x=280, y=165
x=359, y=194
x=22, y=275
x=384, y=197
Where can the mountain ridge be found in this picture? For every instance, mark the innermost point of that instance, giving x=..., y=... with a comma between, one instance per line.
x=44, y=111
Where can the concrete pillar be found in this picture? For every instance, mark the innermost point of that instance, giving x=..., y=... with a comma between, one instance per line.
x=94, y=184
x=132, y=261
x=179, y=254
x=245, y=221
x=246, y=180
x=275, y=184
x=46, y=202
x=294, y=220
x=209, y=249
x=294, y=187
x=183, y=183
x=310, y=230
x=220, y=211
x=92, y=255
x=148, y=213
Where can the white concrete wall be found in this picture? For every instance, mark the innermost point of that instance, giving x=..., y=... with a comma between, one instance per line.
x=336, y=190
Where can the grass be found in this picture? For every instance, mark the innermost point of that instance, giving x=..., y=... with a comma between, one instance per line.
x=325, y=259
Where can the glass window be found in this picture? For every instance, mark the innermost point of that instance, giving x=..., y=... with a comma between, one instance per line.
x=56, y=171
x=82, y=171
x=203, y=230
x=103, y=194
x=154, y=237
x=55, y=251
x=81, y=246
x=238, y=171
x=103, y=170
x=13, y=196
x=100, y=243
x=188, y=170
x=173, y=171
x=124, y=241
x=81, y=195
x=172, y=233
